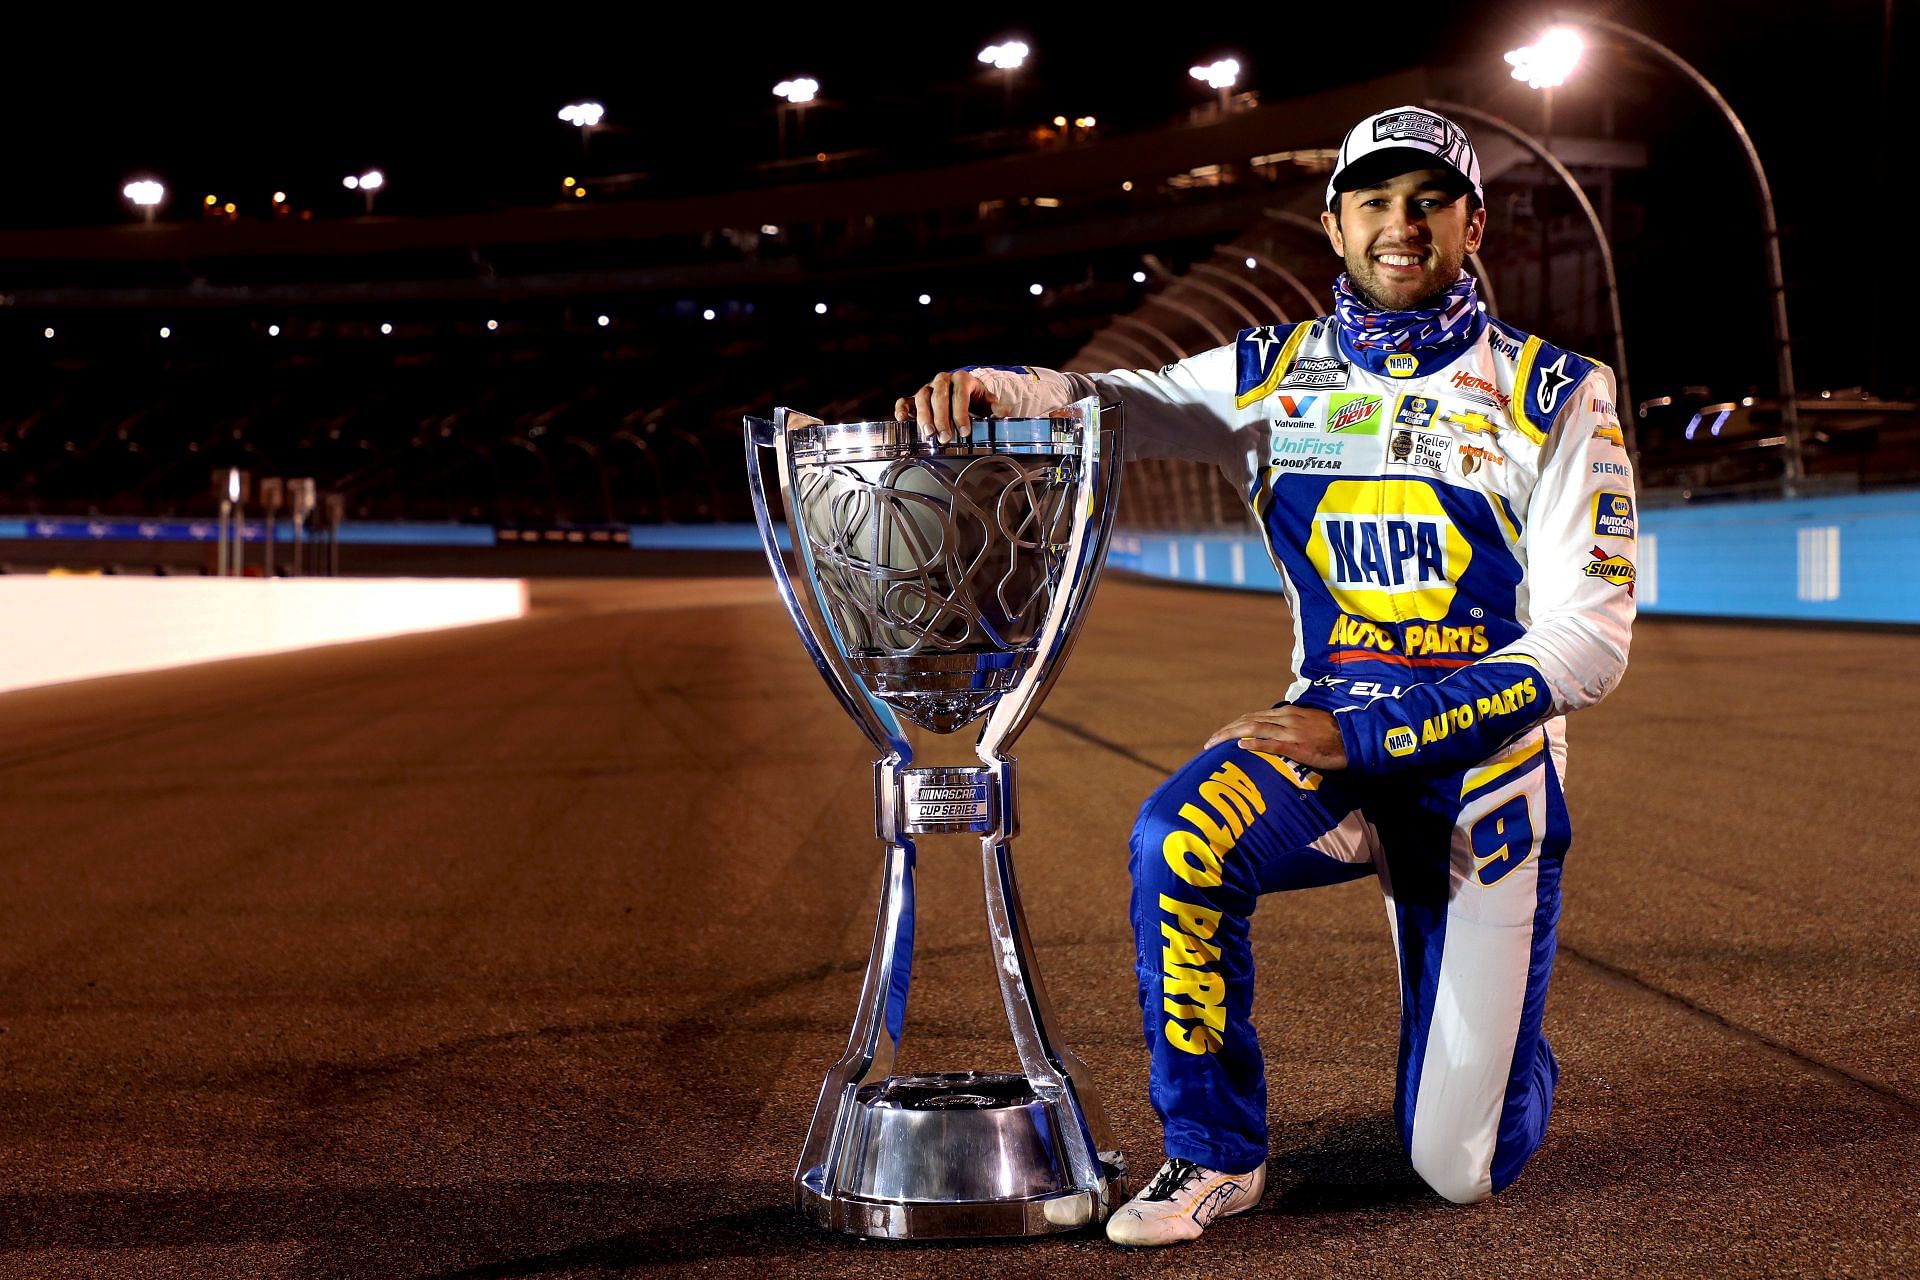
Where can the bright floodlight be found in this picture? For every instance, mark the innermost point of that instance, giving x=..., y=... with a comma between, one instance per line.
x=1139, y=277
x=819, y=308
x=584, y=115
x=1547, y=63
x=165, y=332
x=603, y=321
x=49, y=332
x=1219, y=74
x=350, y=182
x=372, y=180
x=146, y=193
x=273, y=331
x=386, y=328
x=707, y=314
x=1251, y=264
x=1007, y=57
x=1036, y=289
x=926, y=299
x=797, y=91
x=492, y=325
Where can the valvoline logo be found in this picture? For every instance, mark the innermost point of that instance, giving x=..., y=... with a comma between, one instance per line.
x=1387, y=549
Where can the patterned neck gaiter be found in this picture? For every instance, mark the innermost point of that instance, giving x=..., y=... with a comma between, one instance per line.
x=1429, y=331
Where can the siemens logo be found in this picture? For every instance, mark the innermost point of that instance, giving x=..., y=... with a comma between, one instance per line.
x=1392, y=555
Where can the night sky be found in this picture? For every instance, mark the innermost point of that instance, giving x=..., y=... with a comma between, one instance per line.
x=462, y=118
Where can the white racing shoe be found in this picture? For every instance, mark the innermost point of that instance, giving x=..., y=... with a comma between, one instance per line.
x=1181, y=1201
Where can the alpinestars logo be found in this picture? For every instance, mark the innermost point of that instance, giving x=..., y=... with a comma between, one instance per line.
x=1553, y=380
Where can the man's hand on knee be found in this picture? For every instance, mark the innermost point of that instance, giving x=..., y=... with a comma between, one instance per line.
x=1302, y=734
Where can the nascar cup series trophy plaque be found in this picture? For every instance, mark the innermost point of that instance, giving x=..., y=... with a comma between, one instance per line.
x=943, y=583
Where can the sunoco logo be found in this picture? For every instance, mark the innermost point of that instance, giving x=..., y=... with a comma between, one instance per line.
x=1616, y=569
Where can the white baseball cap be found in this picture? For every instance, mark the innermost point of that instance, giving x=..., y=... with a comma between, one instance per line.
x=1400, y=139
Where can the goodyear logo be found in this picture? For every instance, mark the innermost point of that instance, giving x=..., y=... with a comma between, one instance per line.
x=1402, y=366
x=1356, y=415
x=1612, y=515
x=1387, y=550
x=1415, y=411
x=1401, y=741
x=1615, y=568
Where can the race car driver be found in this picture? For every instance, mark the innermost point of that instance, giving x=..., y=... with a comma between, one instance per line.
x=1452, y=514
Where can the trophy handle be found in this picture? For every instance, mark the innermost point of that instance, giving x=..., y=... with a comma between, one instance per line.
x=1054, y=1071
x=880, y=1017
x=811, y=618
x=1098, y=497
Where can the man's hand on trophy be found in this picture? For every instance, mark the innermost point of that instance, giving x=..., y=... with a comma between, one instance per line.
x=947, y=400
x=1302, y=734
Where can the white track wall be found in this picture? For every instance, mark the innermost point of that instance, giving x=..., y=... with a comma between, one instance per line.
x=54, y=629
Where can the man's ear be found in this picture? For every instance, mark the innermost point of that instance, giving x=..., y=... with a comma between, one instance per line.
x=1334, y=237
x=1476, y=228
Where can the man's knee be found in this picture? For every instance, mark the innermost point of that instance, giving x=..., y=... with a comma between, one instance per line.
x=1187, y=828
x=1457, y=1176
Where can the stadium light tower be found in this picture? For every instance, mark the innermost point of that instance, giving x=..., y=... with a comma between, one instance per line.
x=1548, y=62
x=795, y=95
x=584, y=116
x=1007, y=57
x=147, y=195
x=1222, y=74
x=368, y=184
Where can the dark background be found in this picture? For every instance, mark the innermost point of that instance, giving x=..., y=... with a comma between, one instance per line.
x=460, y=115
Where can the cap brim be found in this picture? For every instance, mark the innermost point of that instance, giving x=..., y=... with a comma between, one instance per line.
x=1377, y=167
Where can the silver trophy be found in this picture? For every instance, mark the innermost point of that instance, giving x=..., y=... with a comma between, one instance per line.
x=942, y=583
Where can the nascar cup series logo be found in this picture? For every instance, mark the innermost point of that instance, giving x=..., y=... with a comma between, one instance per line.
x=1387, y=549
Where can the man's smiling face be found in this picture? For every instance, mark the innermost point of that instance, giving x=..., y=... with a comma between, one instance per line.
x=1404, y=238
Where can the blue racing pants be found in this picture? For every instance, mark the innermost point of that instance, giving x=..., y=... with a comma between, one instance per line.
x=1469, y=862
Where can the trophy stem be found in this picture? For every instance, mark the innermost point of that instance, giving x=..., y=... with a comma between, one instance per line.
x=877, y=1026
x=1054, y=1072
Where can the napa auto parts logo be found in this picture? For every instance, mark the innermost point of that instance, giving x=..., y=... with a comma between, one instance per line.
x=1387, y=550
x=1356, y=415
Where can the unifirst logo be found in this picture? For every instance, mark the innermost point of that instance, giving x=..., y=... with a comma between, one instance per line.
x=1387, y=550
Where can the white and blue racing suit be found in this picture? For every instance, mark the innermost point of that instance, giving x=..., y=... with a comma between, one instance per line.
x=1455, y=538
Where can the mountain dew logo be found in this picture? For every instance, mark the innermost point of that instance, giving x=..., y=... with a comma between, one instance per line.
x=1357, y=415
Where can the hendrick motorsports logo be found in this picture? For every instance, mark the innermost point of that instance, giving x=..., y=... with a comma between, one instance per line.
x=1612, y=515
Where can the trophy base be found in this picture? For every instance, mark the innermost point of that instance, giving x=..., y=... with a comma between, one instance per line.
x=963, y=1154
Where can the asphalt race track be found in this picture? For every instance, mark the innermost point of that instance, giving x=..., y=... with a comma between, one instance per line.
x=520, y=951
